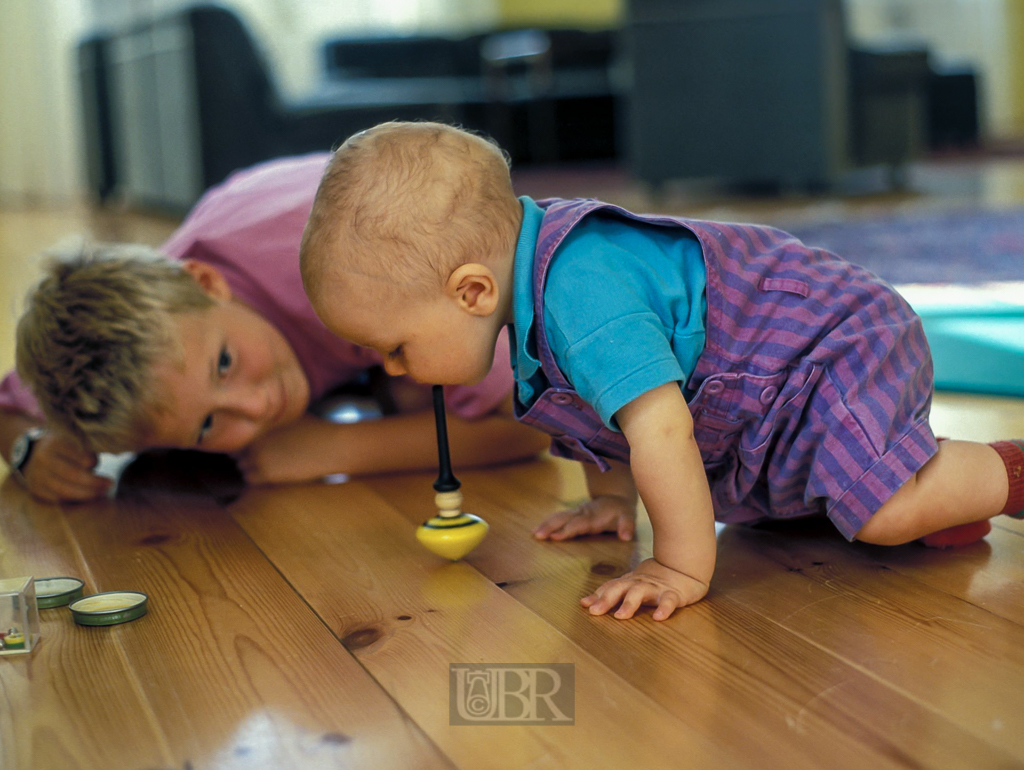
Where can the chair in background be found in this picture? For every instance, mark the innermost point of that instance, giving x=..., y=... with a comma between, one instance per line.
x=519, y=80
x=546, y=95
x=889, y=106
x=952, y=107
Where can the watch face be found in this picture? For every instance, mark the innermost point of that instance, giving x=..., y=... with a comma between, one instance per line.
x=22, y=446
x=19, y=452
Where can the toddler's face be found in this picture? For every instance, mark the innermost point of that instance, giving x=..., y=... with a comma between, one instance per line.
x=430, y=338
x=237, y=380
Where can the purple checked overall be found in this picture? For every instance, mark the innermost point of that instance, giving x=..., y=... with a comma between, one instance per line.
x=813, y=390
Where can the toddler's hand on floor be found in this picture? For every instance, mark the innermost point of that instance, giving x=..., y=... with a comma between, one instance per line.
x=650, y=583
x=608, y=513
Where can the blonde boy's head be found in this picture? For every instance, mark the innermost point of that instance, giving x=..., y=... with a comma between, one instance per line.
x=93, y=328
x=407, y=203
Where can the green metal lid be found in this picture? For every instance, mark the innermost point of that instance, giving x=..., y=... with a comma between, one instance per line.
x=57, y=591
x=109, y=608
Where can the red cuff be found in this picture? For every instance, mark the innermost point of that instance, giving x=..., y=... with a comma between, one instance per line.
x=1012, y=454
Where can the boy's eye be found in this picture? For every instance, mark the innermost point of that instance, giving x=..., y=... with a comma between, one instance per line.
x=395, y=353
x=223, y=361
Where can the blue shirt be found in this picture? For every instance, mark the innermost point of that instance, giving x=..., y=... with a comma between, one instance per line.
x=624, y=306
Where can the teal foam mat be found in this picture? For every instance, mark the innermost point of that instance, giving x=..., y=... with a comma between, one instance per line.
x=977, y=349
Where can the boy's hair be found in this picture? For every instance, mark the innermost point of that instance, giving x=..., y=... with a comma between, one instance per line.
x=408, y=203
x=92, y=329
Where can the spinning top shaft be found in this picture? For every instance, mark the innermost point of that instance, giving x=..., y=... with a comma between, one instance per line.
x=446, y=481
x=451, y=533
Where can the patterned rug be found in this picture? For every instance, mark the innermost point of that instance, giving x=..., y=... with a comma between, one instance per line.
x=961, y=246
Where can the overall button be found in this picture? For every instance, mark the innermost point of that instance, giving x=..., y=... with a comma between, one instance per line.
x=562, y=399
x=715, y=387
x=768, y=394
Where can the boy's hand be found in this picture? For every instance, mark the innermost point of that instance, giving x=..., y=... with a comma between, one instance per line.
x=283, y=456
x=650, y=583
x=607, y=513
x=60, y=470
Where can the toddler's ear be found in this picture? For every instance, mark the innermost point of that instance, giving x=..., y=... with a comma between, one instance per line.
x=475, y=288
x=210, y=279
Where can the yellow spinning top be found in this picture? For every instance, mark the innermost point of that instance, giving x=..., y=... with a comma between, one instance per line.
x=451, y=534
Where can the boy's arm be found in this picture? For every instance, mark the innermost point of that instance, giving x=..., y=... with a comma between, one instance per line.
x=670, y=477
x=58, y=468
x=312, y=448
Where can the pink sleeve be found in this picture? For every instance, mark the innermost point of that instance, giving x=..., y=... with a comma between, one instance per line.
x=473, y=401
x=15, y=395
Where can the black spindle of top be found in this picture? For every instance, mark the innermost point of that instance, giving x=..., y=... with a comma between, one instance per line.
x=446, y=481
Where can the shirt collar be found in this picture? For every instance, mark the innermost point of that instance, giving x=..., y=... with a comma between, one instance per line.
x=524, y=357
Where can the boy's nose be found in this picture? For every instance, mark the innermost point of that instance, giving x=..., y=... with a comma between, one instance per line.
x=252, y=402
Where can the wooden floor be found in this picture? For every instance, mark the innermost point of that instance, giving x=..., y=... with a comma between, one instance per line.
x=303, y=627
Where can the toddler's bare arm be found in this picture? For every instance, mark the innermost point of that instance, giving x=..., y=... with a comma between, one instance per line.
x=669, y=475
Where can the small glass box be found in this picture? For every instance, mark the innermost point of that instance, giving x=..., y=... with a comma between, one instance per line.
x=19, y=616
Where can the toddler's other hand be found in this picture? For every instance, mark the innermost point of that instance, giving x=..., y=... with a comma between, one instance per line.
x=608, y=513
x=60, y=470
x=650, y=583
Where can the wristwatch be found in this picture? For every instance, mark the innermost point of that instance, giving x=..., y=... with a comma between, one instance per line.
x=21, y=450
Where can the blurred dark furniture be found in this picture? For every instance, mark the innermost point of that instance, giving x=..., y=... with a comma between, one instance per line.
x=173, y=105
x=889, y=104
x=544, y=95
x=97, y=124
x=952, y=107
x=383, y=57
x=766, y=93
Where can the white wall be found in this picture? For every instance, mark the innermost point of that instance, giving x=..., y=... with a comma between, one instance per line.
x=39, y=148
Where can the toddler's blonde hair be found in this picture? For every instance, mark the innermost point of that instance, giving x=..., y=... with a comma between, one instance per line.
x=91, y=331
x=408, y=203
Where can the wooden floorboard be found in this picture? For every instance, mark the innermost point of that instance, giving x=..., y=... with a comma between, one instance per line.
x=792, y=699
x=407, y=617
x=227, y=666
x=305, y=621
x=947, y=654
x=59, y=708
x=303, y=627
x=989, y=574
